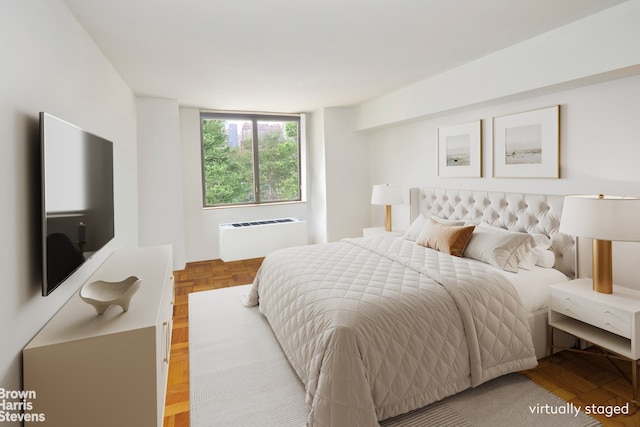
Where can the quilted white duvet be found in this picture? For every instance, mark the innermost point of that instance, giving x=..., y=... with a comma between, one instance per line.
x=378, y=327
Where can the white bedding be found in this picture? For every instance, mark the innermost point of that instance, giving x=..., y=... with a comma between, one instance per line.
x=377, y=327
x=533, y=285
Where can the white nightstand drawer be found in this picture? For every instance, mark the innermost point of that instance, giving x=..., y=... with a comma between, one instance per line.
x=615, y=320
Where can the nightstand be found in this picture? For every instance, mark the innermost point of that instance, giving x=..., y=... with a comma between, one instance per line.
x=609, y=321
x=380, y=231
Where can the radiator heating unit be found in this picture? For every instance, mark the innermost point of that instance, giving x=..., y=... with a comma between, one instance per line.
x=256, y=239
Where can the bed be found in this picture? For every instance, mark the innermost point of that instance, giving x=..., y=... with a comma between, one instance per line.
x=381, y=326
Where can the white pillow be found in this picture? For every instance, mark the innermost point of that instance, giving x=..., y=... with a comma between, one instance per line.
x=542, y=241
x=415, y=228
x=531, y=259
x=546, y=259
x=499, y=248
x=528, y=258
x=419, y=223
x=454, y=222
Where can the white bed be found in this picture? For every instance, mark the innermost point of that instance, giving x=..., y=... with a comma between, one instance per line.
x=377, y=327
x=530, y=213
x=533, y=288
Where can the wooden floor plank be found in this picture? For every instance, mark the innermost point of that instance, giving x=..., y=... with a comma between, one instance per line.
x=581, y=379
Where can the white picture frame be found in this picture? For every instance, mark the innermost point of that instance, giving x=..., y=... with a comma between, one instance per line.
x=527, y=145
x=460, y=150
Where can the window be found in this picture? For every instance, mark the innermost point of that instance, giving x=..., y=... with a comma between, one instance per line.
x=250, y=158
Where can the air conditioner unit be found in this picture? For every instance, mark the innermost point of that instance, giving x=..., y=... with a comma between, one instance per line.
x=256, y=239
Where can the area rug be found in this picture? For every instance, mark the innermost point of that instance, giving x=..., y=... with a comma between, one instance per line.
x=239, y=377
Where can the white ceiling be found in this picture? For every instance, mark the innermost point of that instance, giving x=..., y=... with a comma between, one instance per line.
x=300, y=55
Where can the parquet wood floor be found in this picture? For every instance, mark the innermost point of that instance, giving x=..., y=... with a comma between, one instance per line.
x=580, y=379
x=196, y=277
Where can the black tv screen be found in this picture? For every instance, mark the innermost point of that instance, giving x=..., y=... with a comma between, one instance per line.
x=77, y=198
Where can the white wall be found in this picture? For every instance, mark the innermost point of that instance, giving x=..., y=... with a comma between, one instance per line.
x=348, y=193
x=317, y=178
x=161, y=200
x=50, y=64
x=201, y=224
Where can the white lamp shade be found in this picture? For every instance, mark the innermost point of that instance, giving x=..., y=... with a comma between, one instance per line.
x=615, y=218
x=387, y=194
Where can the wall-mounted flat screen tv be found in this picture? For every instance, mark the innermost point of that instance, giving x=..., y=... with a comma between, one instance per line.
x=77, y=198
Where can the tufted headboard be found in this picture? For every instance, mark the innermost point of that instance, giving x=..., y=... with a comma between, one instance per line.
x=529, y=213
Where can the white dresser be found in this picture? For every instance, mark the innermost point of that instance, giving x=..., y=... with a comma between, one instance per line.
x=610, y=321
x=108, y=370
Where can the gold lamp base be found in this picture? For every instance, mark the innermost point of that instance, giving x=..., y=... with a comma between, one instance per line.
x=387, y=218
x=602, y=271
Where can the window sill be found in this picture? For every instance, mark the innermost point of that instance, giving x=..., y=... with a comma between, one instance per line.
x=254, y=205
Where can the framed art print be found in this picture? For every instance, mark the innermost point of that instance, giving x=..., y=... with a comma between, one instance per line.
x=460, y=150
x=527, y=145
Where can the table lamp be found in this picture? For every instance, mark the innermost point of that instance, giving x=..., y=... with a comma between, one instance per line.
x=603, y=219
x=387, y=194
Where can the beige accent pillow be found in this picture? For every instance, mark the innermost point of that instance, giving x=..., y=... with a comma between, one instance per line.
x=450, y=239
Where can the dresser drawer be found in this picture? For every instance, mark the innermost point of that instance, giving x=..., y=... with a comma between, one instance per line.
x=615, y=320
